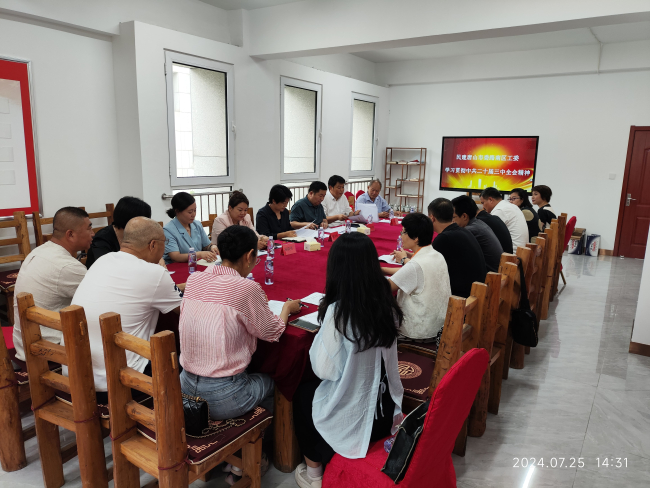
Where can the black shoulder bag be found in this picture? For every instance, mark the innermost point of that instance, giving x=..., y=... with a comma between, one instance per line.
x=524, y=321
x=197, y=415
x=406, y=439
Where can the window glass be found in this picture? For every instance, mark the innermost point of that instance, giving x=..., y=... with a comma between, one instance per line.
x=299, y=130
x=363, y=135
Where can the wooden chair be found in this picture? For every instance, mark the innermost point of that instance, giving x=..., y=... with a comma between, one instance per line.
x=8, y=277
x=155, y=440
x=351, y=199
x=561, y=225
x=39, y=222
x=551, y=249
x=251, y=215
x=528, y=263
x=82, y=417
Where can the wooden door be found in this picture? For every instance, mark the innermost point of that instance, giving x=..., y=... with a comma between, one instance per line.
x=634, y=213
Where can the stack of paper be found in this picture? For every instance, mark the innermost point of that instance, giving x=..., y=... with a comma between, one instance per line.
x=313, y=299
x=387, y=258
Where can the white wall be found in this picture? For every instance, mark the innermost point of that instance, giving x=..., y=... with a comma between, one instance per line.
x=583, y=123
x=257, y=112
x=74, y=113
x=641, y=332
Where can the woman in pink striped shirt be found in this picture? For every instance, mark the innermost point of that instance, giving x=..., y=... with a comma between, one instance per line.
x=222, y=316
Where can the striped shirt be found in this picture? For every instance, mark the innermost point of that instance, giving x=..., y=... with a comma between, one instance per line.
x=222, y=316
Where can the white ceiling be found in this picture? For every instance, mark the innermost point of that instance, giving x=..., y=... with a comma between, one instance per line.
x=575, y=37
x=247, y=4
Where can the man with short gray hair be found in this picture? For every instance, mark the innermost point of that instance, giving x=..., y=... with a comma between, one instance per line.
x=373, y=196
x=132, y=283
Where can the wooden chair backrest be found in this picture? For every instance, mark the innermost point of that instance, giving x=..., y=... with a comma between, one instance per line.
x=476, y=315
x=251, y=215
x=166, y=419
x=559, y=249
x=12, y=444
x=539, y=275
x=39, y=222
x=79, y=383
x=552, y=244
x=19, y=223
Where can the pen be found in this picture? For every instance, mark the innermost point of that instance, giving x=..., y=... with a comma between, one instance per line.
x=301, y=305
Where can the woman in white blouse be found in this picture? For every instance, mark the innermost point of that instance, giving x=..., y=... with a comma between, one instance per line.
x=422, y=283
x=358, y=398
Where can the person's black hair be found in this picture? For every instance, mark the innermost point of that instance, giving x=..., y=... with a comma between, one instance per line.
x=419, y=226
x=465, y=205
x=366, y=312
x=235, y=241
x=442, y=210
x=491, y=192
x=180, y=202
x=127, y=208
x=236, y=198
x=335, y=180
x=64, y=219
x=317, y=186
x=279, y=193
x=544, y=192
x=523, y=194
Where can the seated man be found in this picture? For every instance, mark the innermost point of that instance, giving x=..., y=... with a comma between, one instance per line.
x=373, y=196
x=499, y=228
x=422, y=283
x=465, y=210
x=309, y=210
x=110, y=237
x=541, y=196
x=131, y=283
x=459, y=247
x=336, y=205
x=514, y=219
x=51, y=272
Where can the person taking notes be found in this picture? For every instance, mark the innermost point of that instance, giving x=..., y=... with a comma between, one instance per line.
x=373, y=196
x=273, y=219
x=336, y=205
x=237, y=214
x=309, y=211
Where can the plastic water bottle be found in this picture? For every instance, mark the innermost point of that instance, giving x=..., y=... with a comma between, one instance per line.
x=391, y=213
x=270, y=248
x=348, y=226
x=191, y=260
x=250, y=277
x=268, y=270
x=369, y=219
x=399, y=243
x=388, y=444
x=412, y=209
x=321, y=236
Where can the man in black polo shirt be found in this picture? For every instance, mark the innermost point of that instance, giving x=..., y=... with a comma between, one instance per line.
x=499, y=228
x=464, y=257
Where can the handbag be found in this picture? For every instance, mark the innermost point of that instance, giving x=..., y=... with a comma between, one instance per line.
x=524, y=321
x=408, y=434
x=197, y=415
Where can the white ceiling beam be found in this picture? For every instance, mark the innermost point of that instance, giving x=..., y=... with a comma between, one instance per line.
x=316, y=27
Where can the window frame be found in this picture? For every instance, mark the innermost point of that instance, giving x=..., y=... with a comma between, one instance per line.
x=306, y=85
x=172, y=57
x=375, y=139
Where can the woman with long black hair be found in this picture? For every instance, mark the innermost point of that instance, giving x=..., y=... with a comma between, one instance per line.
x=358, y=398
x=519, y=197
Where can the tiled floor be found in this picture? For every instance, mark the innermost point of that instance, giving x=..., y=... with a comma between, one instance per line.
x=580, y=397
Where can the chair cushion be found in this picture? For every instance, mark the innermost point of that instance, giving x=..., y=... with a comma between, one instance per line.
x=415, y=371
x=359, y=473
x=21, y=375
x=200, y=449
x=8, y=278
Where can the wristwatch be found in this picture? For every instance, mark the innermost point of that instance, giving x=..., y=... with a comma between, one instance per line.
x=403, y=259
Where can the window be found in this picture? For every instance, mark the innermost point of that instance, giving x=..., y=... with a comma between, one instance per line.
x=199, y=112
x=300, y=129
x=363, y=135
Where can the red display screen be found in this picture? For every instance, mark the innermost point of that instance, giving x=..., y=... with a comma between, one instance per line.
x=474, y=163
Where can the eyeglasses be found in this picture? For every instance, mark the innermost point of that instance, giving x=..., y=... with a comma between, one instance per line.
x=512, y=199
x=166, y=241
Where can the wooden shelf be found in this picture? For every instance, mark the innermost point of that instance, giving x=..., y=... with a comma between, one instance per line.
x=401, y=173
x=405, y=163
x=409, y=196
x=412, y=180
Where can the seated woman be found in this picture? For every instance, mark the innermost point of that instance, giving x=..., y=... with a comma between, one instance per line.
x=519, y=197
x=183, y=232
x=422, y=283
x=110, y=237
x=273, y=219
x=541, y=196
x=237, y=214
x=222, y=316
x=358, y=398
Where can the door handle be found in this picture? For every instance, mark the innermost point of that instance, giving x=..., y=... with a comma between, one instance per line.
x=629, y=199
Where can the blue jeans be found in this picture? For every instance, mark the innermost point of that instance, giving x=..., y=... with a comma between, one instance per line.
x=232, y=396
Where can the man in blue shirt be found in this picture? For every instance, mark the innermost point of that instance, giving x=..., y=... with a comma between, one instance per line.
x=373, y=196
x=309, y=210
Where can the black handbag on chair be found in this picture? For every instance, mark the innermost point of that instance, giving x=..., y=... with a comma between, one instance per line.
x=524, y=321
x=197, y=415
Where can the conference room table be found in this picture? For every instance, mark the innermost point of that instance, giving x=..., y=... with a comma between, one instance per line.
x=287, y=361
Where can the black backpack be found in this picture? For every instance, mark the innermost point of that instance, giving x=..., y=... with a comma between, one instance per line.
x=524, y=321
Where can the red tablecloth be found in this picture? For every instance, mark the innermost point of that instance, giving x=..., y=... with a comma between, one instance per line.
x=295, y=276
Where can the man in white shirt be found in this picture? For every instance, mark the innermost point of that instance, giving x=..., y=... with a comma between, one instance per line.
x=132, y=283
x=51, y=272
x=511, y=215
x=336, y=205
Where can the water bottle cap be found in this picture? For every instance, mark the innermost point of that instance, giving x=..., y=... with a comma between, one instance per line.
x=191, y=249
